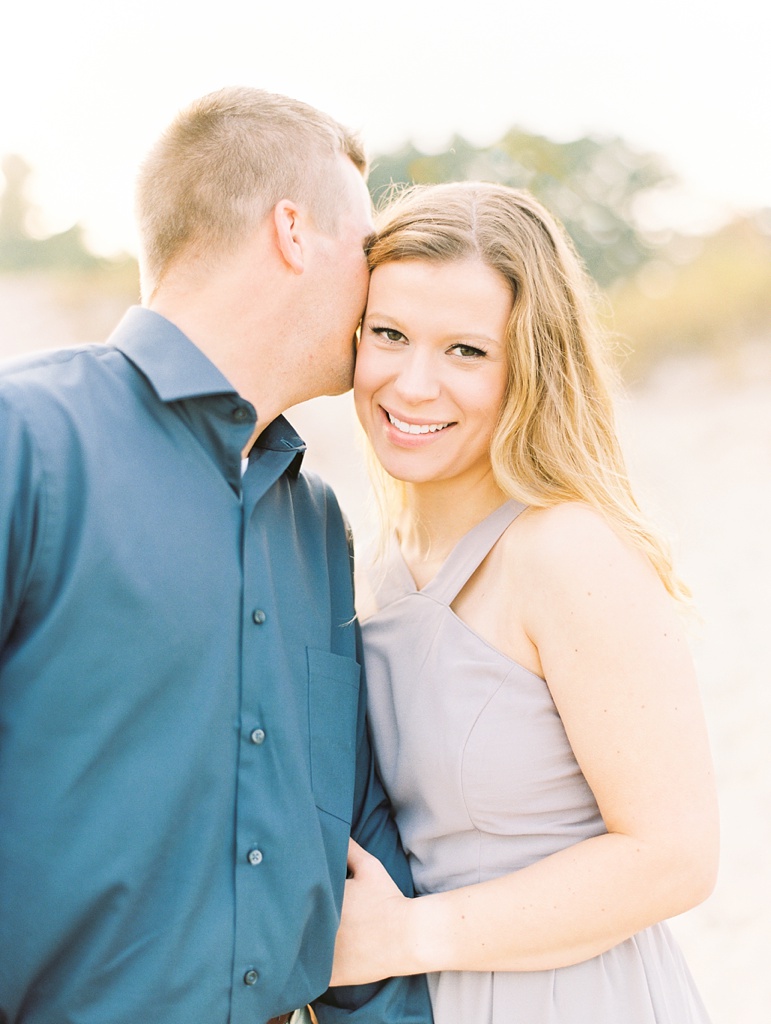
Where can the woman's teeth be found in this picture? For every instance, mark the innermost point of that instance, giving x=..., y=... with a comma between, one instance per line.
x=415, y=428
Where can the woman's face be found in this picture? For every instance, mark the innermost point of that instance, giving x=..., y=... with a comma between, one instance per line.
x=431, y=367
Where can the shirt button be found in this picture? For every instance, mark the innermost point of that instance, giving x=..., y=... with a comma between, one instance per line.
x=250, y=978
x=257, y=736
x=254, y=857
x=241, y=414
x=258, y=616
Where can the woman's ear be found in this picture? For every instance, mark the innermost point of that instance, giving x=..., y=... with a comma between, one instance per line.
x=289, y=238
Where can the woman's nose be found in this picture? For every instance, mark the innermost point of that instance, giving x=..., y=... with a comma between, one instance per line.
x=418, y=379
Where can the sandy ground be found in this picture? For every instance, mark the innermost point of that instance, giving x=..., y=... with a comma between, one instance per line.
x=699, y=438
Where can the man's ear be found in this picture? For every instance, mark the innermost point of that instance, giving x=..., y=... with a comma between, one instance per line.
x=289, y=237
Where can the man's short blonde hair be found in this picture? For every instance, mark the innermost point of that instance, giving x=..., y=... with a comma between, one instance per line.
x=224, y=163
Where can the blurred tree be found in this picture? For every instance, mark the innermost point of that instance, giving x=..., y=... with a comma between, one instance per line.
x=19, y=250
x=14, y=206
x=702, y=293
x=590, y=184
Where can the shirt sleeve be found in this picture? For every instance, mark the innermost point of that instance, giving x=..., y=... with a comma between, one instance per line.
x=19, y=515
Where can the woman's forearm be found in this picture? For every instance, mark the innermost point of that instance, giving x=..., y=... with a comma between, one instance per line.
x=562, y=910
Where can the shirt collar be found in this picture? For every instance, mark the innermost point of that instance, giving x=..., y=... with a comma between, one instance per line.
x=280, y=436
x=178, y=369
x=174, y=366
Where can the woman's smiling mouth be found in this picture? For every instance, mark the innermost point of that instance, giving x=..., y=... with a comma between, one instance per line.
x=414, y=428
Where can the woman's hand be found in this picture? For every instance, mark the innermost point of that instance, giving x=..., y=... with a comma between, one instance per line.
x=373, y=926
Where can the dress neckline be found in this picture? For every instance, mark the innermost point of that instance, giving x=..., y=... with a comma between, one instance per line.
x=464, y=558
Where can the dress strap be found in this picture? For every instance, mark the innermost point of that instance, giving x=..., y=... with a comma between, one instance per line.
x=469, y=553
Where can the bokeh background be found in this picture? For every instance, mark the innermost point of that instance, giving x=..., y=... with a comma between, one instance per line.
x=645, y=128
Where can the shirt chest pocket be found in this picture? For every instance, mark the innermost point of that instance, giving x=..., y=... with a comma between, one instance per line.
x=333, y=702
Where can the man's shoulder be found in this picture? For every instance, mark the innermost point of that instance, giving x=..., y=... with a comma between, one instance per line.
x=43, y=370
x=31, y=362
x=327, y=507
x=318, y=485
x=47, y=394
x=321, y=494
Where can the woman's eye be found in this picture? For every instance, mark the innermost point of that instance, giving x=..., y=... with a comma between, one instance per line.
x=468, y=351
x=388, y=333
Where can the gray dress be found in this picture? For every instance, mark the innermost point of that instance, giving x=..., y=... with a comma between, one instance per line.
x=475, y=759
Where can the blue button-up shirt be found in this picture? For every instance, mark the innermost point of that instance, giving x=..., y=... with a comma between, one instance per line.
x=182, y=743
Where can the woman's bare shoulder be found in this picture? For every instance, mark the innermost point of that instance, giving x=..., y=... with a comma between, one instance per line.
x=571, y=547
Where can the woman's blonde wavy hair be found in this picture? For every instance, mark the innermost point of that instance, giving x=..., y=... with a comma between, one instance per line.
x=556, y=438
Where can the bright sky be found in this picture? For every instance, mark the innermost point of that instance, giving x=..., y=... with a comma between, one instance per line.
x=85, y=86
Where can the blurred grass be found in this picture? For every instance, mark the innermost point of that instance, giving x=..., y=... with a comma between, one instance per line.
x=701, y=294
